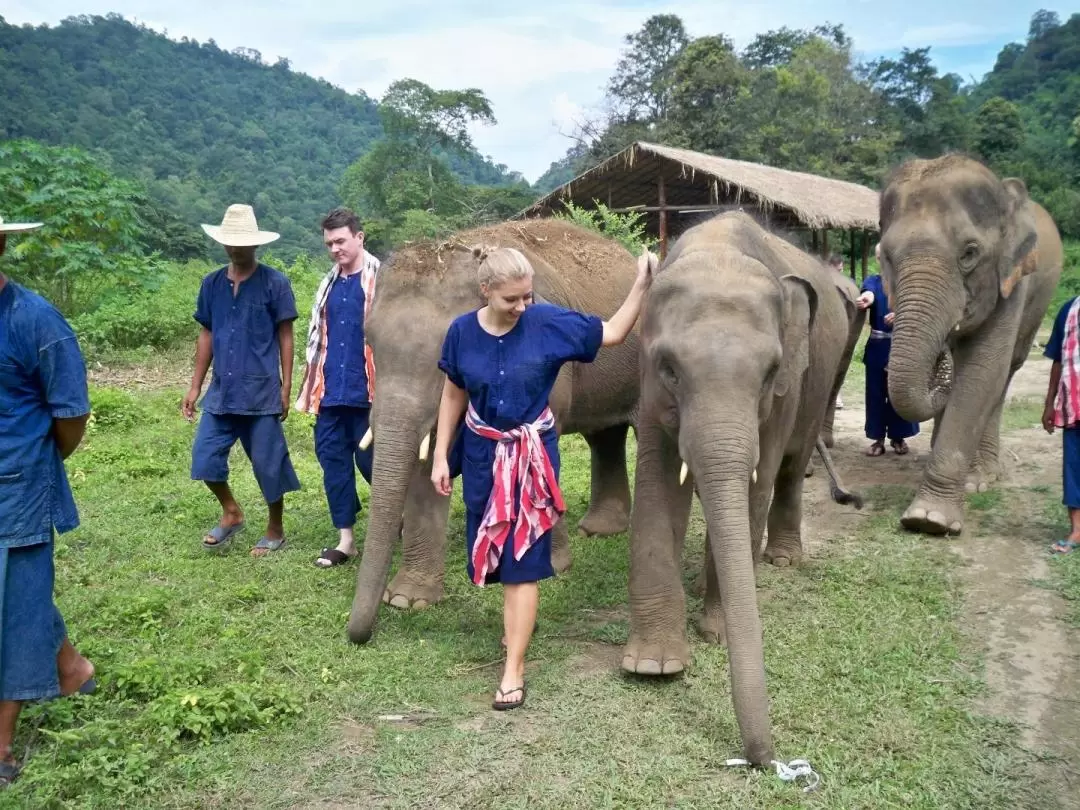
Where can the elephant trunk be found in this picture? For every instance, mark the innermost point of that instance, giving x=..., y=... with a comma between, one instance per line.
x=723, y=467
x=928, y=306
x=392, y=467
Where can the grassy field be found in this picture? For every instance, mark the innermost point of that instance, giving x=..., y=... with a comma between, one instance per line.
x=227, y=681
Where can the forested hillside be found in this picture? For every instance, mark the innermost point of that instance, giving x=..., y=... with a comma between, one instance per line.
x=801, y=100
x=199, y=126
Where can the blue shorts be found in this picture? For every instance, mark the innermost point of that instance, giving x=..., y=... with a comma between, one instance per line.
x=263, y=440
x=1070, y=464
x=31, y=627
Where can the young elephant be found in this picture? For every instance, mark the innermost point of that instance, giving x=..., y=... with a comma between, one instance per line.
x=970, y=264
x=742, y=336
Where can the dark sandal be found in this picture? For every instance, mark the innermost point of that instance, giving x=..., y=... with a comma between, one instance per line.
x=334, y=556
x=876, y=449
x=9, y=772
x=900, y=448
x=504, y=706
x=221, y=535
x=1064, y=547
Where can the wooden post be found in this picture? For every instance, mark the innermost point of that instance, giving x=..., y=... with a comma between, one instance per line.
x=814, y=241
x=825, y=243
x=663, y=213
x=851, y=253
x=865, y=253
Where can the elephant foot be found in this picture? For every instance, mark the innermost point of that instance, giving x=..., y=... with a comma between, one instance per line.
x=410, y=590
x=933, y=516
x=604, y=521
x=655, y=658
x=984, y=474
x=828, y=439
x=782, y=556
x=712, y=627
x=560, y=558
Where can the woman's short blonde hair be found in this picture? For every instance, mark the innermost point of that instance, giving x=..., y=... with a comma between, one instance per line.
x=499, y=265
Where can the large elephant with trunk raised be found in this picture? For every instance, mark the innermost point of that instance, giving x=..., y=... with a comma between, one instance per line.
x=742, y=336
x=970, y=264
x=420, y=290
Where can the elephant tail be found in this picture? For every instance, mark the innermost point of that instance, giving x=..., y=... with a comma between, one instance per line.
x=839, y=492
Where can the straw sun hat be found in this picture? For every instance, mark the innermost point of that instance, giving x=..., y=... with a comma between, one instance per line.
x=15, y=227
x=238, y=228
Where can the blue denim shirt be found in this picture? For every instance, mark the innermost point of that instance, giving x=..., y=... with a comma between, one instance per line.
x=344, y=371
x=246, y=376
x=42, y=378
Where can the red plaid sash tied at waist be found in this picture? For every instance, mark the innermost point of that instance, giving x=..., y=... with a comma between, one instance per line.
x=522, y=467
x=1067, y=400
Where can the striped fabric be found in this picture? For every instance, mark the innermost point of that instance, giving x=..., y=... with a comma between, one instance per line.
x=522, y=468
x=1067, y=401
x=311, y=392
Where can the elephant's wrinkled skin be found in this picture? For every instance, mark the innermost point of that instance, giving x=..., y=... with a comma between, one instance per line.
x=420, y=290
x=849, y=290
x=742, y=335
x=971, y=263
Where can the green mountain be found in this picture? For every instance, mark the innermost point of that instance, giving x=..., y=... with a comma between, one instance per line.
x=199, y=126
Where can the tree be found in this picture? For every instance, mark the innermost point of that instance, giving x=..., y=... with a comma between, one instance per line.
x=999, y=130
x=641, y=84
x=1042, y=23
x=710, y=86
x=776, y=48
x=92, y=239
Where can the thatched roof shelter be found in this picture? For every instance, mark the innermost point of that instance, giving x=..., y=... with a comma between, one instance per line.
x=674, y=188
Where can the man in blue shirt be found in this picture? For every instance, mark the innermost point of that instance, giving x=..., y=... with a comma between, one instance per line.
x=246, y=311
x=339, y=377
x=44, y=405
x=1062, y=410
x=882, y=420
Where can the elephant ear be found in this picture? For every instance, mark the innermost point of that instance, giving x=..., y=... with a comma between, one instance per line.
x=800, y=309
x=1021, y=254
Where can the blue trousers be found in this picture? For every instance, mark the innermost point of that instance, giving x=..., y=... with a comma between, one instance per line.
x=338, y=431
x=263, y=440
x=31, y=627
x=1070, y=463
x=881, y=420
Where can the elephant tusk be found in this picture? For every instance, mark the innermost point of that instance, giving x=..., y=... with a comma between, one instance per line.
x=683, y=470
x=365, y=442
x=753, y=477
x=425, y=443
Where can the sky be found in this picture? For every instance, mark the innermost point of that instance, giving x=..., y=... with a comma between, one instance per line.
x=543, y=67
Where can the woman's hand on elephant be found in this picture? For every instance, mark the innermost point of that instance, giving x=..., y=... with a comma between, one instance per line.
x=440, y=476
x=646, y=265
x=889, y=318
x=865, y=300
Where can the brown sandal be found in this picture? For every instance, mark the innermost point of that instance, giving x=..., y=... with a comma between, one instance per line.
x=876, y=449
x=900, y=448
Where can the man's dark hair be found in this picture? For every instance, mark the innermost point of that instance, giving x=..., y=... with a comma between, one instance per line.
x=341, y=218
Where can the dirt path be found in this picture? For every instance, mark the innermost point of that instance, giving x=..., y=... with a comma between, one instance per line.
x=1032, y=657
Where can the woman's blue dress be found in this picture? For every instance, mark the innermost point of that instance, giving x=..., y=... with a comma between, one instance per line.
x=509, y=380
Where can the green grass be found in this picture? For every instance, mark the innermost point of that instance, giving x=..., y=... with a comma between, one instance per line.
x=228, y=682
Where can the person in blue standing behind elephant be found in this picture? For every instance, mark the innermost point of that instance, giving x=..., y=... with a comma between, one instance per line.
x=1062, y=410
x=501, y=362
x=882, y=420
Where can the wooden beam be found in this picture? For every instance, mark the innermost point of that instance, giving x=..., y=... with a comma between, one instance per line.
x=663, y=208
x=865, y=253
x=676, y=209
x=851, y=254
x=814, y=240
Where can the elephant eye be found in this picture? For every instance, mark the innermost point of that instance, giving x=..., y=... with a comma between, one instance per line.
x=668, y=375
x=970, y=257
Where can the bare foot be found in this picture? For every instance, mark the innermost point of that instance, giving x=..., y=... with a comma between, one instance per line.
x=75, y=674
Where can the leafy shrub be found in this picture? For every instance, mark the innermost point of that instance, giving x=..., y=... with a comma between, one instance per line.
x=114, y=409
x=626, y=229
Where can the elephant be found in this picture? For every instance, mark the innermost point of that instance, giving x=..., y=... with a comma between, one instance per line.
x=970, y=263
x=742, y=334
x=420, y=290
x=849, y=290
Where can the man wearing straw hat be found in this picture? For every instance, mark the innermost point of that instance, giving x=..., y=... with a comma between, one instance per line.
x=44, y=406
x=246, y=311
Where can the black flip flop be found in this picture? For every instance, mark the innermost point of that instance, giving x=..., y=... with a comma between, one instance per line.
x=334, y=556
x=9, y=772
x=500, y=706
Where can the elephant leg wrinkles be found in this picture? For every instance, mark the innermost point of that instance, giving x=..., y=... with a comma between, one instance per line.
x=419, y=582
x=609, y=501
x=977, y=395
x=661, y=511
x=785, y=514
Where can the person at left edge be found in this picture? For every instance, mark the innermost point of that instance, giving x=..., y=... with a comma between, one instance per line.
x=44, y=406
x=246, y=311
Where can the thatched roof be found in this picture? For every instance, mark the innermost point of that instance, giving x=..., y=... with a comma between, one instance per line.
x=792, y=199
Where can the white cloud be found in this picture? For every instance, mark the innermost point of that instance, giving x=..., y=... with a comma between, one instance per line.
x=541, y=67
